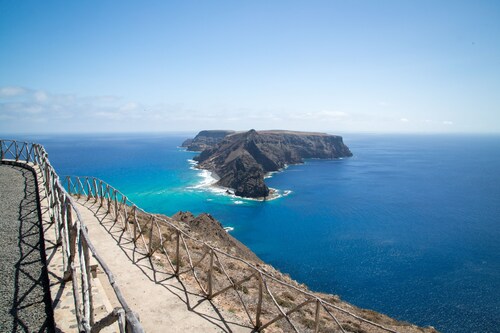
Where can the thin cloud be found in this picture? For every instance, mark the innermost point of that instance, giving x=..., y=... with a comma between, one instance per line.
x=324, y=115
x=41, y=96
x=39, y=105
x=130, y=106
x=11, y=91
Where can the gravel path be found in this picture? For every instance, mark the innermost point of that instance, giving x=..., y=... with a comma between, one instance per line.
x=24, y=300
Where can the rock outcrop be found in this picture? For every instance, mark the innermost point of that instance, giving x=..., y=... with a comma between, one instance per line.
x=205, y=139
x=206, y=227
x=241, y=160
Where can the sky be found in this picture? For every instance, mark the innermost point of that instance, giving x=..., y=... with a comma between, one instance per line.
x=335, y=66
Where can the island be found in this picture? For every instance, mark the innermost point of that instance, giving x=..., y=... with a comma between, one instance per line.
x=241, y=160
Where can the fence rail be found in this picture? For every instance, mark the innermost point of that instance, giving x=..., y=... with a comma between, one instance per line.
x=208, y=267
x=72, y=235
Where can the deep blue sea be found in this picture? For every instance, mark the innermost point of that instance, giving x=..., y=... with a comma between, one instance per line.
x=409, y=226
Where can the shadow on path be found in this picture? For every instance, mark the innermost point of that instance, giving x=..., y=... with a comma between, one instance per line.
x=138, y=256
x=25, y=304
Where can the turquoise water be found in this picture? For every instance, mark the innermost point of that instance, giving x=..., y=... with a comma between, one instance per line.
x=409, y=226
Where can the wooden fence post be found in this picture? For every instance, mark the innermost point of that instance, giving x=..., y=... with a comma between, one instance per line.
x=89, y=189
x=258, y=312
x=72, y=276
x=125, y=213
x=96, y=191
x=28, y=153
x=101, y=193
x=122, y=321
x=116, y=204
x=60, y=220
x=48, y=188
x=109, y=198
x=87, y=282
x=63, y=231
x=69, y=184
x=36, y=153
x=316, y=317
x=47, y=177
x=150, y=249
x=79, y=187
x=72, y=240
x=210, y=273
x=54, y=217
x=135, y=222
x=177, y=254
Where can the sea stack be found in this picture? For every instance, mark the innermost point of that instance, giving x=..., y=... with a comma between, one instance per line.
x=242, y=159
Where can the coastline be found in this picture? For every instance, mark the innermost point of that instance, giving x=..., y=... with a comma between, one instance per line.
x=210, y=178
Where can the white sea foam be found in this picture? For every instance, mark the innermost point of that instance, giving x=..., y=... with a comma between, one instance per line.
x=228, y=229
x=209, y=179
x=192, y=164
x=275, y=194
x=207, y=183
x=271, y=174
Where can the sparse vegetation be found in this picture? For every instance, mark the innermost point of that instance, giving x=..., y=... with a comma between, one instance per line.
x=284, y=302
x=288, y=294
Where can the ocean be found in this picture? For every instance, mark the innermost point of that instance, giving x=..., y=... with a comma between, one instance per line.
x=409, y=226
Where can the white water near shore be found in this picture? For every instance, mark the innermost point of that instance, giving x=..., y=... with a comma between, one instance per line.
x=209, y=179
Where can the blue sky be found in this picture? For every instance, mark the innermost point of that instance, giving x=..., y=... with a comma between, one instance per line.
x=335, y=66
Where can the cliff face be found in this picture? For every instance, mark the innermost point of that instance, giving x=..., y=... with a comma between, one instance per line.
x=205, y=139
x=241, y=160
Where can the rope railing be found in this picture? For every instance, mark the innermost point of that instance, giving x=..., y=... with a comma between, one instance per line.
x=210, y=268
x=71, y=234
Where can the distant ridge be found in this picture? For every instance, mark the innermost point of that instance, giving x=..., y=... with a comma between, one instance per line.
x=205, y=139
x=242, y=159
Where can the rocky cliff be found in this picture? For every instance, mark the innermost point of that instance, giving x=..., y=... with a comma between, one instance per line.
x=241, y=160
x=206, y=227
x=205, y=139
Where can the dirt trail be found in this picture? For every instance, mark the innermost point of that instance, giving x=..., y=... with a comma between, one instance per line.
x=161, y=301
